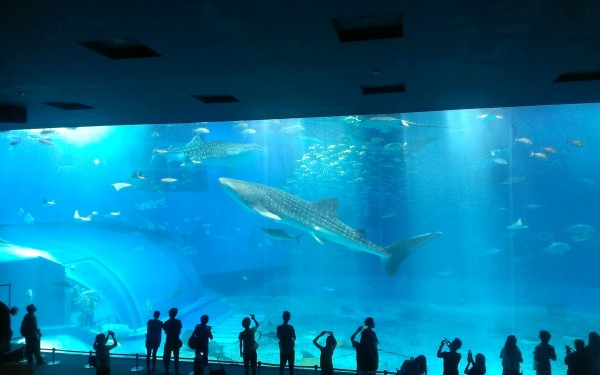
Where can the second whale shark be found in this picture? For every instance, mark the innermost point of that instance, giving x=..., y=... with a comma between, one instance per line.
x=222, y=153
x=319, y=219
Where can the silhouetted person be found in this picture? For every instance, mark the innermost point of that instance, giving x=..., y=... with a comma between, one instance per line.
x=203, y=333
x=592, y=354
x=367, y=356
x=248, y=344
x=451, y=357
x=414, y=366
x=172, y=328
x=103, y=352
x=5, y=328
x=326, y=359
x=287, y=338
x=511, y=357
x=543, y=353
x=575, y=360
x=475, y=366
x=154, y=329
x=32, y=334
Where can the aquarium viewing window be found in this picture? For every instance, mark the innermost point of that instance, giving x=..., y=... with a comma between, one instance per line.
x=474, y=224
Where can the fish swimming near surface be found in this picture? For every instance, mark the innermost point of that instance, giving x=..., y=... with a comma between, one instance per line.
x=517, y=225
x=280, y=234
x=224, y=153
x=319, y=219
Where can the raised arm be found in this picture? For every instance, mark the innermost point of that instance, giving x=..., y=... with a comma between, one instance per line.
x=317, y=338
x=439, y=351
x=353, y=337
x=115, y=343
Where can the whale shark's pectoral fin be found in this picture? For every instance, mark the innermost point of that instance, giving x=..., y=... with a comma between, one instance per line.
x=266, y=213
x=320, y=240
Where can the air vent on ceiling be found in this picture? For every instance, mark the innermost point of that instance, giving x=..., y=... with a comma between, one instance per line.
x=68, y=106
x=13, y=113
x=578, y=77
x=214, y=99
x=120, y=48
x=369, y=27
x=389, y=89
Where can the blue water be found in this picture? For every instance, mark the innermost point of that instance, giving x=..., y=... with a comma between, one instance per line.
x=185, y=242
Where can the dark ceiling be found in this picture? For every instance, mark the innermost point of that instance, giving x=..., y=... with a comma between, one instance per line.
x=215, y=60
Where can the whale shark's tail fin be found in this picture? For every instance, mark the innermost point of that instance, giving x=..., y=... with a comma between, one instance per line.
x=398, y=251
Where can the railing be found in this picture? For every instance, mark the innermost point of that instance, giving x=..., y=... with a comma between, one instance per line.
x=137, y=357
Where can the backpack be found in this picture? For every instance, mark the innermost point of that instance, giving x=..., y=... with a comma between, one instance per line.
x=93, y=360
x=194, y=341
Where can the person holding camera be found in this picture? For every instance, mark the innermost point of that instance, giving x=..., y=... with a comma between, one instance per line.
x=367, y=355
x=477, y=366
x=326, y=359
x=511, y=357
x=575, y=360
x=248, y=344
x=452, y=357
x=103, y=352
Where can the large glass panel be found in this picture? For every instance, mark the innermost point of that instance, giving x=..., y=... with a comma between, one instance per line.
x=101, y=226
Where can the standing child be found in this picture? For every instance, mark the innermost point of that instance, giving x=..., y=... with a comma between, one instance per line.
x=326, y=352
x=103, y=352
x=248, y=344
x=542, y=354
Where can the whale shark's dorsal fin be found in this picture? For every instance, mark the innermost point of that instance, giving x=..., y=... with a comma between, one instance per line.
x=197, y=139
x=360, y=233
x=328, y=207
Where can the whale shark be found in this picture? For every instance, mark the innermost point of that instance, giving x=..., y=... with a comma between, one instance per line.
x=318, y=218
x=223, y=153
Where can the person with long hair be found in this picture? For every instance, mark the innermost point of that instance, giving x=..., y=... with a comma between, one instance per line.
x=475, y=366
x=511, y=357
x=103, y=352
